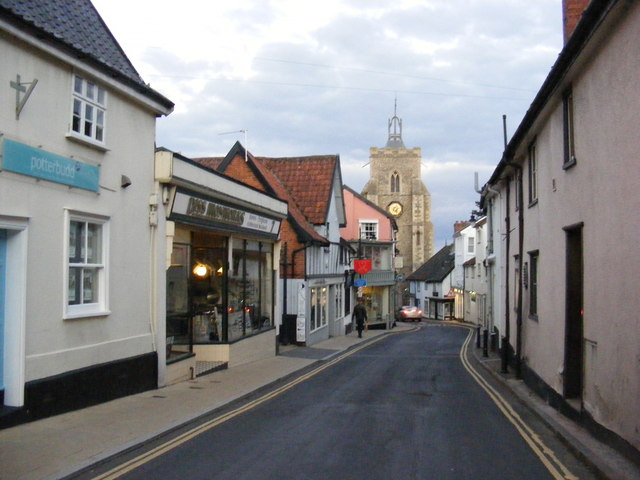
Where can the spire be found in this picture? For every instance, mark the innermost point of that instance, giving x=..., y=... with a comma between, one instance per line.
x=395, y=129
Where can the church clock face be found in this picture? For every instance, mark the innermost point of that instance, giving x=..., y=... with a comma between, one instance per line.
x=395, y=209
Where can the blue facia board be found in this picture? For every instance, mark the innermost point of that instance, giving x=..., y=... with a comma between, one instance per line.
x=34, y=162
x=360, y=282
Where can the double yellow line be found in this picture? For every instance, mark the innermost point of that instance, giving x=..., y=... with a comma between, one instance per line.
x=544, y=453
x=148, y=456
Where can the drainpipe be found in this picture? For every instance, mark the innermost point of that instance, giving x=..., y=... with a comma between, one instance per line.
x=520, y=283
x=507, y=311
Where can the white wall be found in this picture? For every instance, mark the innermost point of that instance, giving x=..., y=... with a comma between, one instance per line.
x=54, y=345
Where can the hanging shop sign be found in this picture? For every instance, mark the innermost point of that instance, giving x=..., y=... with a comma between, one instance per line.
x=34, y=162
x=362, y=266
x=199, y=208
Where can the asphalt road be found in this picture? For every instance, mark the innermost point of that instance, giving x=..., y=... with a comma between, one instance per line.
x=406, y=407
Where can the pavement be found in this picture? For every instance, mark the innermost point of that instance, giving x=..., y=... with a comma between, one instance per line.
x=59, y=446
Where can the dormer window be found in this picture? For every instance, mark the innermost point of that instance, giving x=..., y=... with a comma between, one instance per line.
x=89, y=110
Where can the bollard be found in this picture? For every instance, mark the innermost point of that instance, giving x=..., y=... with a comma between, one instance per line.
x=505, y=355
x=485, y=341
x=478, y=336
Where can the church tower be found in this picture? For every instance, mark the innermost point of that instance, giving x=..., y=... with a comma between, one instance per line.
x=395, y=185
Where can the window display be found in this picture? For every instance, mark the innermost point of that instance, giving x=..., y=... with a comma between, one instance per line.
x=212, y=300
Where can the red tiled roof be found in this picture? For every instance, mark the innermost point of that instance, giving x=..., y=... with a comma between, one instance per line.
x=282, y=192
x=309, y=180
x=210, y=162
x=283, y=177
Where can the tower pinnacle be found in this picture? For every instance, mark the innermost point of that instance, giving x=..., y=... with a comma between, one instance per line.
x=395, y=129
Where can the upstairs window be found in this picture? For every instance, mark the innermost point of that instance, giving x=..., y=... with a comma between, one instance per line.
x=471, y=245
x=395, y=182
x=533, y=284
x=568, y=129
x=89, y=110
x=369, y=230
x=533, y=174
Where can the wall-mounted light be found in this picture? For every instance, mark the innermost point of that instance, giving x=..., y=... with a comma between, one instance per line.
x=124, y=181
x=201, y=270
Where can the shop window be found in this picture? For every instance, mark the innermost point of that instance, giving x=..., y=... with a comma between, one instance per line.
x=250, y=289
x=347, y=299
x=178, y=326
x=86, y=269
x=89, y=110
x=212, y=301
x=319, y=298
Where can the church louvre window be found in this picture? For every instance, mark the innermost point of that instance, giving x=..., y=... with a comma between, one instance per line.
x=395, y=182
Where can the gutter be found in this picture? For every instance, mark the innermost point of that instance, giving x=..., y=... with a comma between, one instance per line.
x=592, y=19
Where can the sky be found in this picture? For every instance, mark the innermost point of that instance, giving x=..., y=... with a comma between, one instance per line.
x=292, y=78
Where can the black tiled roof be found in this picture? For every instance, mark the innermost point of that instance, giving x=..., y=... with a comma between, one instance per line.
x=437, y=267
x=76, y=25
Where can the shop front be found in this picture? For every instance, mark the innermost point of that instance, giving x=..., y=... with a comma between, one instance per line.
x=220, y=275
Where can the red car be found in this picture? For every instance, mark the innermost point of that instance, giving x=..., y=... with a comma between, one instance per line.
x=410, y=313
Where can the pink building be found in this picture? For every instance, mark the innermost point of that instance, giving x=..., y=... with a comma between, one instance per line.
x=371, y=232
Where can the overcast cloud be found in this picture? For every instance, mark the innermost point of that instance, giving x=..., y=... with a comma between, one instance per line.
x=314, y=78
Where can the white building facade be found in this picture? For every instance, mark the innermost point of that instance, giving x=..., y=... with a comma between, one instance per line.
x=77, y=129
x=559, y=207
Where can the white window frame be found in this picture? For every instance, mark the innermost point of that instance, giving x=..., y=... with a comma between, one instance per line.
x=374, y=229
x=319, y=297
x=471, y=248
x=101, y=306
x=92, y=100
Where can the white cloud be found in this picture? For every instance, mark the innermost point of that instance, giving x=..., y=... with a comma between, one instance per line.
x=322, y=77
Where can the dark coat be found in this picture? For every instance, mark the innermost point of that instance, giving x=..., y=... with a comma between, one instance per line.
x=360, y=314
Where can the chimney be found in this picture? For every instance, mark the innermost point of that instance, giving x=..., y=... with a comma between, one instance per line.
x=571, y=14
x=460, y=225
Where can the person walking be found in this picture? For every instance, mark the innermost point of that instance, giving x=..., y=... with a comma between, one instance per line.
x=360, y=315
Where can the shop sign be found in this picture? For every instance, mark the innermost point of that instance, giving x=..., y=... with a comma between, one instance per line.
x=34, y=162
x=216, y=212
x=362, y=266
x=360, y=282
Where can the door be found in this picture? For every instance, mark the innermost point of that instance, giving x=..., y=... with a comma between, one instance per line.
x=574, y=335
x=3, y=270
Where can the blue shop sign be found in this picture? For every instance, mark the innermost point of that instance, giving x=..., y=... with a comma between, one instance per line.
x=31, y=161
x=360, y=282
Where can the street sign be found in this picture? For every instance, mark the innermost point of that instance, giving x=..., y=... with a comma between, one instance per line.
x=360, y=282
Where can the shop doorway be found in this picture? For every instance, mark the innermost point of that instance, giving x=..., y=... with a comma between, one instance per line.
x=574, y=335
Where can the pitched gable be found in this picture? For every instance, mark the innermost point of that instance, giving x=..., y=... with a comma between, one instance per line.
x=256, y=173
x=437, y=267
x=309, y=180
x=76, y=27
